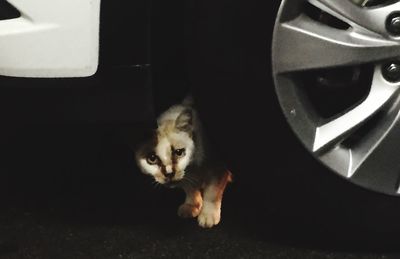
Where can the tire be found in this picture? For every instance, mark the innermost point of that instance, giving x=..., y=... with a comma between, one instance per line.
x=230, y=69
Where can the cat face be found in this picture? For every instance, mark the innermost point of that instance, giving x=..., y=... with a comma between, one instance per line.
x=170, y=151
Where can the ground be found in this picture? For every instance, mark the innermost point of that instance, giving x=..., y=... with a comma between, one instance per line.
x=75, y=192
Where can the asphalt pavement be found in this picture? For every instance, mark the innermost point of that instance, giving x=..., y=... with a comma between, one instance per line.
x=75, y=192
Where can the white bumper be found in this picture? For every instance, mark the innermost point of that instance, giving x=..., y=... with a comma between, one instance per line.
x=52, y=38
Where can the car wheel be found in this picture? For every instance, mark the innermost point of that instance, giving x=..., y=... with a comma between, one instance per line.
x=332, y=67
x=337, y=77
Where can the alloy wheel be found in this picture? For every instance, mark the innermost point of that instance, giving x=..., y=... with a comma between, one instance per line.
x=336, y=66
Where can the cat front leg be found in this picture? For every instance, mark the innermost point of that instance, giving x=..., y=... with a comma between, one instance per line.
x=210, y=214
x=193, y=203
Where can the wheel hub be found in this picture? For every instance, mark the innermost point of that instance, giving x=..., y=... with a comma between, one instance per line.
x=336, y=68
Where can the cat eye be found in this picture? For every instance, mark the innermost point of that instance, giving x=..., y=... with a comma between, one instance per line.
x=152, y=159
x=179, y=152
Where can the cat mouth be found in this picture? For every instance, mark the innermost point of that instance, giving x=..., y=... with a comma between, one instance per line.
x=171, y=184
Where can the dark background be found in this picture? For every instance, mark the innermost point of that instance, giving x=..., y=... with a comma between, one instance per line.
x=69, y=187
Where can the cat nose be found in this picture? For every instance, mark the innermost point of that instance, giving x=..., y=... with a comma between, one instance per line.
x=170, y=175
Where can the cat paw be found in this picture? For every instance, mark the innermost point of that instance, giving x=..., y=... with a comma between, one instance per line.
x=188, y=211
x=209, y=218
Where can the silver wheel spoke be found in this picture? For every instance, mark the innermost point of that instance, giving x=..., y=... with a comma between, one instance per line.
x=337, y=129
x=363, y=19
x=308, y=45
x=361, y=143
x=381, y=166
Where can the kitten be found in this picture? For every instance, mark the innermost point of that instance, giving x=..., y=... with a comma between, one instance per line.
x=178, y=156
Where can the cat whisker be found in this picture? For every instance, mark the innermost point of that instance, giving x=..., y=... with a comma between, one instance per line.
x=192, y=178
x=155, y=184
x=190, y=181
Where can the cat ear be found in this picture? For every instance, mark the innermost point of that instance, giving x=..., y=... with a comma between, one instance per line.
x=184, y=122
